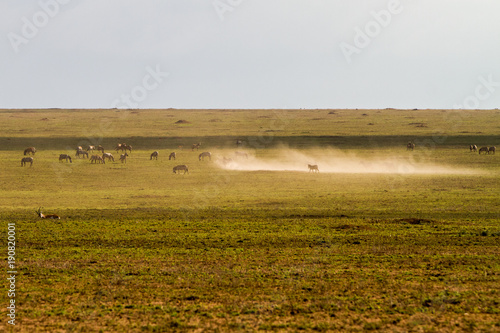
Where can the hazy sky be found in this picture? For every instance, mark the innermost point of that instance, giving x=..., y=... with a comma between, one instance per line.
x=250, y=54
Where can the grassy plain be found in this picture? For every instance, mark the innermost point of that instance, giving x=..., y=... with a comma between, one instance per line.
x=141, y=249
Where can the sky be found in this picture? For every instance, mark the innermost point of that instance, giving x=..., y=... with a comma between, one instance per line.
x=250, y=54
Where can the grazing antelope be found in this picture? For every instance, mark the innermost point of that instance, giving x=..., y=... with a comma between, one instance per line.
x=100, y=148
x=49, y=216
x=123, y=158
x=195, y=146
x=97, y=159
x=154, y=154
x=483, y=149
x=240, y=154
x=27, y=160
x=473, y=148
x=205, y=154
x=180, y=167
x=172, y=156
x=30, y=150
x=108, y=156
x=313, y=168
x=492, y=150
x=410, y=146
x=82, y=152
x=65, y=157
x=91, y=149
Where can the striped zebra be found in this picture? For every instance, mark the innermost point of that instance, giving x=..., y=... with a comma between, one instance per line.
x=97, y=159
x=410, y=146
x=90, y=149
x=108, y=156
x=195, y=146
x=172, y=156
x=100, y=148
x=205, y=154
x=81, y=152
x=26, y=160
x=180, y=167
x=313, y=168
x=473, y=148
x=65, y=157
x=123, y=158
x=154, y=154
x=30, y=150
x=484, y=150
x=492, y=150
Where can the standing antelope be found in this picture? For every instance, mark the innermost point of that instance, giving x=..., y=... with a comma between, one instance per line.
x=313, y=168
x=27, y=160
x=123, y=158
x=172, y=155
x=154, y=154
x=50, y=216
x=108, y=156
x=65, y=157
x=205, y=154
x=30, y=150
x=180, y=167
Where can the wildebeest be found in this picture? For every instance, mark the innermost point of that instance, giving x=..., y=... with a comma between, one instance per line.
x=30, y=150
x=48, y=216
x=473, y=148
x=27, y=160
x=180, y=167
x=313, y=168
x=65, y=157
x=492, y=150
x=108, y=156
x=154, y=154
x=484, y=150
x=205, y=154
x=410, y=146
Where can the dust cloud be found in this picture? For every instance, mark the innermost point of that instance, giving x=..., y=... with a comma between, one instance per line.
x=334, y=161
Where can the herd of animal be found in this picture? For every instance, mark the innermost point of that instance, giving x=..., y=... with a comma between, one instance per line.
x=486, y=150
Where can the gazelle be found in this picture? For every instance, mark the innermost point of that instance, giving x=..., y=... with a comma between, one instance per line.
x=27, y=160
x=50, y=216
x=30, y=150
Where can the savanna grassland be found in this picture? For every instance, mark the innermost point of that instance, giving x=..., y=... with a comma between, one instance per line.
x=141, y=249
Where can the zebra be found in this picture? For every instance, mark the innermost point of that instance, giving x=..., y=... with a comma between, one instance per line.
x=97, y=159
x=195, y=146
x=313, y=168
x=82, y=152
x=27, y=160
x=410, y=146
x=473, y=148
x=172, y=156
x=65, y=157
x=127, y=147
x=100, y=148
x=108, y=156
x=49, y=216
x=205, y=154
x=483, y=149
x=91, y=149
x=154, y=154
x=30, y=150
x=123, y=158
x=492, y=150
x=180, y=167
